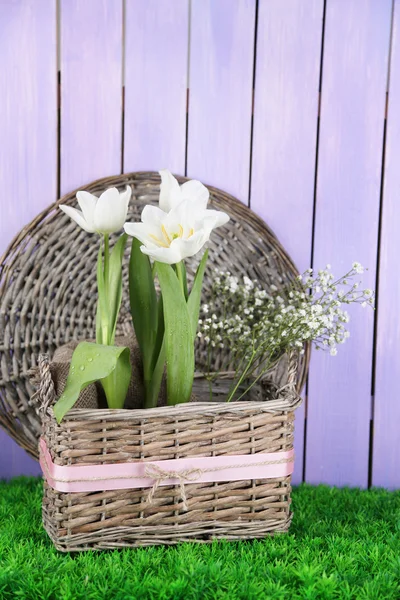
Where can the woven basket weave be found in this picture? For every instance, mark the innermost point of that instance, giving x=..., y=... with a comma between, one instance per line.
x=231, y=510
x=48, y=287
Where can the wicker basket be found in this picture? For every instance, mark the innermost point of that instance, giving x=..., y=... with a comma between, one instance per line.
x=204, y=503
x=48, y=287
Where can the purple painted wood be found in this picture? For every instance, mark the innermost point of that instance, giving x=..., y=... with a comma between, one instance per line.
x=386, y=442
x=355, y=67
x=285, y=134
x=91, y=90
x=155, y=84
x=28, y=151
x=221, y=82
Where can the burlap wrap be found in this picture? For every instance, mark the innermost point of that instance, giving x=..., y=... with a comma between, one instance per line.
x=93, y=396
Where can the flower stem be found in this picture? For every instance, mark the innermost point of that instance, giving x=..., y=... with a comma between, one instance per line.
x=242, y=377
x=106, y=261
x=106, y=325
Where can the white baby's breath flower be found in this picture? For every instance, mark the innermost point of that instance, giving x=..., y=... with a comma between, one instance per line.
x=358, y=268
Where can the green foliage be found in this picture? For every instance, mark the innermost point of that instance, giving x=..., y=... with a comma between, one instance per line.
x=143, y=301
x=148, y=321
x=115, y=282
x=343, y=544
x=195, y=294
x=109, y=285
x=179, y=343
x=95, y=362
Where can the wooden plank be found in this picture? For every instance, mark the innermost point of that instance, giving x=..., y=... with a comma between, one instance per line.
x=285, y=133
x=386, y=442
x=28, y=152
x=91, y=90
x=355, y=65
x=221, y=81
x=155, y=84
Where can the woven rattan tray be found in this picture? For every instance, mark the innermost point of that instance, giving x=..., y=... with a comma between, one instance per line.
x=48, y=287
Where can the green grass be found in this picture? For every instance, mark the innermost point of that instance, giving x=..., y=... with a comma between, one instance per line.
x=342, y=544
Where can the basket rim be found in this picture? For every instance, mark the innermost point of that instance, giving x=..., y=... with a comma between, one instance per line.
x=191, y=409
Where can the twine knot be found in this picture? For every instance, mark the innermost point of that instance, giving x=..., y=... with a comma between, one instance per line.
x=159, y=475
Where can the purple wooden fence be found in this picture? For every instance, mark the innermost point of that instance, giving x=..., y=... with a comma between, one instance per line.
x=285, y=134
x=386, y=446
x=282, y=104
x=354, y=77
x=28, y=126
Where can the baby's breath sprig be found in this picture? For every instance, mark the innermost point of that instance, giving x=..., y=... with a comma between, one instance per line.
x=259, y=325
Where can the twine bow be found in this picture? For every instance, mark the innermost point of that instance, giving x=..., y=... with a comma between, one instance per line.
x=184, y=476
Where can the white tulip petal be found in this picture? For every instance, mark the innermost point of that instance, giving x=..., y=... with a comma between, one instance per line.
x=77, y=216
x=177, y=216
x=141, y=232
x=121, y=210
x=217, y=217
x=170, y=193
x=87, y=203
x=110, y=212
x=126, y=196
x=164, y=255
x=196, y=192
x=190, y=246
x=152, y=215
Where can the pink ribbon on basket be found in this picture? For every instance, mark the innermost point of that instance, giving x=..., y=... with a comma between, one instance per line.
x=178, y=471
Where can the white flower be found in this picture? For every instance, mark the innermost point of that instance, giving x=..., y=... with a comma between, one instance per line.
x=105, y=214
x=358, y=267
x=169, y=237
x=248, y=282
x=333, y=351
x=172, y=194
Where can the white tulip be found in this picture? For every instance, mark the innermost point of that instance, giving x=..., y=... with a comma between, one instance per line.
x=171, y=236
x=105, y=214
x=172, y=194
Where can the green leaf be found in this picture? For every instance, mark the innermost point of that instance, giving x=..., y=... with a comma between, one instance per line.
x=195, y=295
x=179, y=347
x=116, y=384
x=98, y=323
x=181, y=274
x=160, y=331
x=90, y=363
x=115, y=283
x=153, y=386
x=143, y=299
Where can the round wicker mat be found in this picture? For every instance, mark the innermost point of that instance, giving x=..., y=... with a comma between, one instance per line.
x=48, y=286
